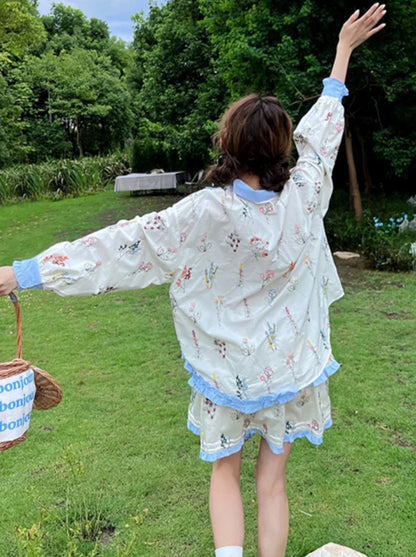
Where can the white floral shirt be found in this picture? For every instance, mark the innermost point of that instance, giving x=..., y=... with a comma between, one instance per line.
x=251, y=274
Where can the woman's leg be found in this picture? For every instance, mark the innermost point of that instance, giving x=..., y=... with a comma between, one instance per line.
x=225, y=503
x=273, y=511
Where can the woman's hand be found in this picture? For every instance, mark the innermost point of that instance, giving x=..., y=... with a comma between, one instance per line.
x=8, y=281
x=354, y=32
x=357, y=29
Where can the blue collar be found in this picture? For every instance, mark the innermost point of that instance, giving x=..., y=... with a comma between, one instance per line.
x=245, y=191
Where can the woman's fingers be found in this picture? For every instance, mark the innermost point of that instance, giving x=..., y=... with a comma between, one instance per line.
x=373, y=15
x=358, y=29
x=354, y=17
x=376, y=29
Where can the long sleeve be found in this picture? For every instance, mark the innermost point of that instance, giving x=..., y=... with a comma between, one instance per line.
x=127, y=255
x=317, y=138
x=251, y=279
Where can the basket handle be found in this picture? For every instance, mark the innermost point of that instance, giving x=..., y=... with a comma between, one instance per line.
x=13, y=299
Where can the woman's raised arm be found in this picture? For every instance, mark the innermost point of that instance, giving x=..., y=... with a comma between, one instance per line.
x=354, y=32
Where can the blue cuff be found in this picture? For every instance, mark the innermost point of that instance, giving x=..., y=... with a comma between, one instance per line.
x=27, y=274
x=334, y=88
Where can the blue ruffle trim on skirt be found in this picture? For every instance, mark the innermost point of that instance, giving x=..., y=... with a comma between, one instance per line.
x=288, y=438
x=250, y=406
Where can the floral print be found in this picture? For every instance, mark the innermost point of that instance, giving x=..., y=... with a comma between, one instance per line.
x=233, y=240
x=185, y=275
x=210, y=275
x=55, y=260
x=259, y=247
x=223, y=430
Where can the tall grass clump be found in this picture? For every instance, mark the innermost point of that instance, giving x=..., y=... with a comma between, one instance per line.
x=60, y=178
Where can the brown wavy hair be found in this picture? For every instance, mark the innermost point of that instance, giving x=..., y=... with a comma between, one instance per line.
x=254, y=138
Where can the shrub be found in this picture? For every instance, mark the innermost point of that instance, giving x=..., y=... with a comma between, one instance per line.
x=114, y=165
x=389, y=243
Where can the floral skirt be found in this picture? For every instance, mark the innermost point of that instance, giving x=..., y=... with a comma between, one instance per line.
x=223, y=430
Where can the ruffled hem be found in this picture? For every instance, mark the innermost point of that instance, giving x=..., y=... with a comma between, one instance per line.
x=288, y=438
x=251, y=406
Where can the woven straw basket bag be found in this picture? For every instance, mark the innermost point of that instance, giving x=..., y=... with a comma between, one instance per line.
x=23, y=387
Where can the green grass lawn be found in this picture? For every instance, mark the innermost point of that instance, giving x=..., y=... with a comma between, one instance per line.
x=113, y=471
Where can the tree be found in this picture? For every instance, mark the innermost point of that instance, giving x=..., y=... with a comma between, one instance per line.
x=82, y=92
x=20, y=33
x=20, y=30
x=62, y=86
x=175, y=92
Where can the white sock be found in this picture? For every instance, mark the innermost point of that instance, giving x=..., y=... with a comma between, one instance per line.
x=229, y=551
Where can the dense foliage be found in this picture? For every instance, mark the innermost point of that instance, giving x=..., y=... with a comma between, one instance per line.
x=68, y=89
x=283, y=48
x=63, y=90
x=178, y=94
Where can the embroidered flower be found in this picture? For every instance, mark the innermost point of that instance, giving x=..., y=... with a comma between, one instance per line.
x=241, y=386
x=290, y=269
x=266, y=277
x=292, y=320
x=193, y=312
x=89, y=241
x=271, y=335
x=233, y=240
x=290, y=361
x=56, y=259
x=145, y=267
x=271, y=295
x=185, y=275
x=221, y=347
x=266, y=376
x=154, y=222
x=196, y=343
x=219, y=303
x=210, y=275
x=259, y=247
x=204, y=245
x=246, y=348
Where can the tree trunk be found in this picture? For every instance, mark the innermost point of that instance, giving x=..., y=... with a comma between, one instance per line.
x=368, y=183
x=79, y=142
x=355, y=194
x=49, y=105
